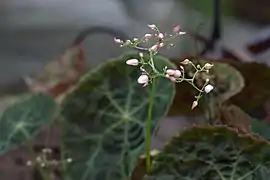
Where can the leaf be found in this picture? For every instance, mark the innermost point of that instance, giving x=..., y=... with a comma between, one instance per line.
x=235, y=117
x=60, y=73
x=107, y=112
x=257, y=87
x=210, y=153
x=23, y=120
x=260, y=128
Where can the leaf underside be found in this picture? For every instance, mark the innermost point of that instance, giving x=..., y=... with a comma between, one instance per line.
x=212, y=153
x=107, y=115
x=23, y=120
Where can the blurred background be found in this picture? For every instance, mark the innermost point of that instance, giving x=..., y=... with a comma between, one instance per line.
x=33, y=32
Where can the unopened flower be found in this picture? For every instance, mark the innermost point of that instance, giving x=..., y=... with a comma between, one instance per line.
x=208, y=88
x=194, y=104
x=208, y=66
x=118, y=40
x=141, y=55
x=185, y=62
x=143, y=79
x=132, y=62
x=148, y=35
x=173, y=79
x=176, y=28
x=152, y=26
x=177, y=73
x=181, y=67
x=161, y=44
x=160, y=35
x=170, y=72
x=154, y=47
x=182, y=33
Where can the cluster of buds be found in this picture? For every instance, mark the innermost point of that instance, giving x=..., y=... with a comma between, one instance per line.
x=159, y=37
x=174, y=75
x=45, y=160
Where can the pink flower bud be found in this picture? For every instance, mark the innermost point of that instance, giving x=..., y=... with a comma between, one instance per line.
x=194, y=104
x=160, y=35
x=172, y=79
x=132, y=62
x=143, y=79
x=154, y=47
x=152, y=26
x=145, y=84
x=170, y=72
x=176, y=29
x=177, y=73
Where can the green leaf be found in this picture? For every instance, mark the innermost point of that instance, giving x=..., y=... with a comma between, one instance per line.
x=211, y=153
x=260, y=128
x=23, y=120
x=107, y=112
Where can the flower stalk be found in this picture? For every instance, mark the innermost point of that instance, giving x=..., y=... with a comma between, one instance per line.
x=174, y=75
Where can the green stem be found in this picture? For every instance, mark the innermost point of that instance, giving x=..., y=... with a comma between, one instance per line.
x=148, y=126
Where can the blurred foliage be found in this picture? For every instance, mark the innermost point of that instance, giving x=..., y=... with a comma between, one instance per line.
x=211, y=153
x=206, y=6
x=260, y=128
x=22, y=120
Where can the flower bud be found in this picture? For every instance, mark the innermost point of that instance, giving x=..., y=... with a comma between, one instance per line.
x=208, y=66
x=148, y=35
x=182, y=33
x=160, y=35
x=181, y=67
x=161, y=44
x=141, y=55
x=152, y=26
x=172, y=78
x=143, y=79
x=194, y=104
x=132, y=62
x=177, y=73
x=118, y=40
x=208, y=88
x=185, y=62
x=154, y=47
x=176, y=29
x=170, y=72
